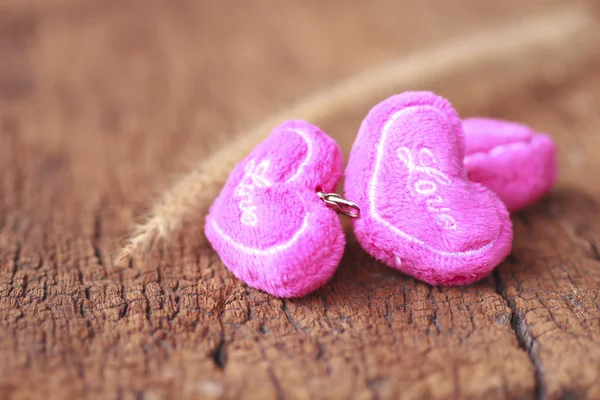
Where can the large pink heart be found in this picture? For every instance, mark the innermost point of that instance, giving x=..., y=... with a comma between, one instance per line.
x=268, y=224
x=419, y=212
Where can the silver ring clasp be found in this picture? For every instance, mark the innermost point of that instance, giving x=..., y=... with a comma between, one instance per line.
x=341, y=205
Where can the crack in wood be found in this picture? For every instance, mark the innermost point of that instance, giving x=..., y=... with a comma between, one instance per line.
x=526, y=341
x=219, y=355
x=15, y=260
x=96, y=237
x=595, y=251
x=434, y=318
x=388, y=316
x=276, y=384
x=288, y=316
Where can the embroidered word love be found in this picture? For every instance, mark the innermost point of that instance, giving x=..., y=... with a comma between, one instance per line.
x=426, y=185
x=254, y=177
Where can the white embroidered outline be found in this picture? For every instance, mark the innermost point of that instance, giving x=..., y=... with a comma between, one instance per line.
x=373, y=190
x=307, y=158
x=269, y=251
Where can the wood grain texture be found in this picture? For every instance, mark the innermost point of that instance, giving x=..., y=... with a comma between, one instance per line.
x=103, y=104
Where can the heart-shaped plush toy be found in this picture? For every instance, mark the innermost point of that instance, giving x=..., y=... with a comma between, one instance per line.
x=419, y=212
x=268, y=224
x=514, y=161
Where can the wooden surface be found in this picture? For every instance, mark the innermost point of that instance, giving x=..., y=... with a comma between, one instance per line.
x=104, y=103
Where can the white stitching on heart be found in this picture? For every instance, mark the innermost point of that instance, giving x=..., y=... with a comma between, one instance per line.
x=501, y=149
x=255, y=177
x=373, y=190
x=296, y=236
x=427, y=187
x=405, y=154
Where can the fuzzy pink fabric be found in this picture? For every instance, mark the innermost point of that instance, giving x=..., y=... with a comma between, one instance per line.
x=268, y=225
x=419, y=212
x=515, y=162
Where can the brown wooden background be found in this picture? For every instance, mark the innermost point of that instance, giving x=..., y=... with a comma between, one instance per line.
x=104, y=103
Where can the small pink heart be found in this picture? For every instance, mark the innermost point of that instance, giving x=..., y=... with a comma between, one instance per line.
x=419, y=212
x=268, y=224
x=515, y=162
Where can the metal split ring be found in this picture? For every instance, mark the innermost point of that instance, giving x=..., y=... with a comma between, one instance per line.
x=341, y=205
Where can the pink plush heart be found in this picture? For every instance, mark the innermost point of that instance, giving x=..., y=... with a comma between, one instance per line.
x=419, y=212
x=515, y=162
x=268, y=225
